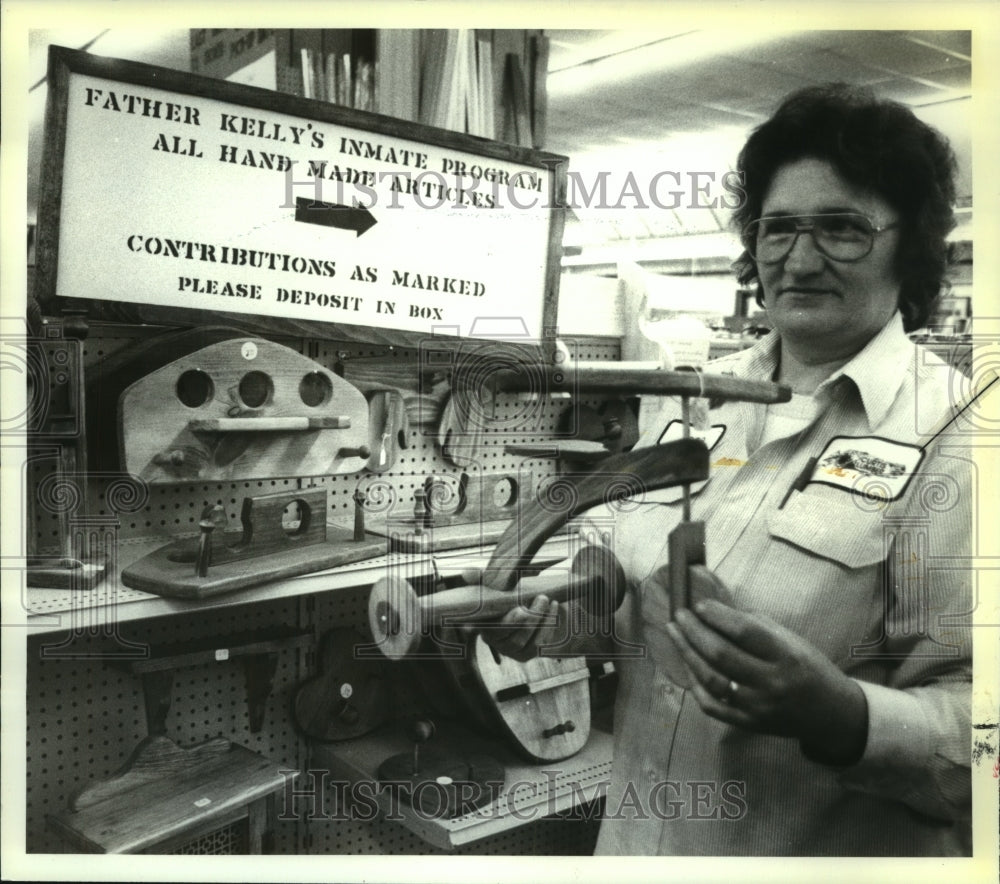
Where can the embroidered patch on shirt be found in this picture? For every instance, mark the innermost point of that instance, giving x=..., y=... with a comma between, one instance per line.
x=869, y=465
x=675, y=430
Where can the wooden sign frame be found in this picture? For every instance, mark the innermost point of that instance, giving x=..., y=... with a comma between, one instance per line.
x=248, y=114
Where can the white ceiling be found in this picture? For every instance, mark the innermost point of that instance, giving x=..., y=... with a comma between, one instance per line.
x=699, y=82
x=685, y=102
x=647, y=100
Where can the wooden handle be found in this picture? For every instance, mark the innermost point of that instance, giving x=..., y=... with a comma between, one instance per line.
x=267, y=424
x=579, y=450
x=633, y=382
x=630, y=474
x=471, y=604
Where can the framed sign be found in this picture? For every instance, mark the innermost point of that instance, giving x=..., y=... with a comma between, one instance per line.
x=178, y=197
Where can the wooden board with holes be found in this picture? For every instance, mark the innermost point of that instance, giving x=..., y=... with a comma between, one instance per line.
x=245, y=408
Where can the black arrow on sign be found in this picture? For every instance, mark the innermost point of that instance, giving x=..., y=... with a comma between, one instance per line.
x=356, y=217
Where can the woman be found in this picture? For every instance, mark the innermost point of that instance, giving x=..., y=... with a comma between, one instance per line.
x=821, y=704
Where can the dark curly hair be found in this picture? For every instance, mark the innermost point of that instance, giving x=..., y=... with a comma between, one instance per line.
x=876, y=144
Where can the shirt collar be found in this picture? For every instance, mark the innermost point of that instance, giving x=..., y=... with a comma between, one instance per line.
x=875, y=369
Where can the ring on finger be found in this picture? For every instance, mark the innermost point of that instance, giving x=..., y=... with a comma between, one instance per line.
x=729, y=692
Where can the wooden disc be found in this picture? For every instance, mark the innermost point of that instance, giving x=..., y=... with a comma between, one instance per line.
x=600, y=560
x=447, y=785
x=394, y=617
x=348, y=697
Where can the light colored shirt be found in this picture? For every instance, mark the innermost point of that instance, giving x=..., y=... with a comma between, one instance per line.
x=855, y=575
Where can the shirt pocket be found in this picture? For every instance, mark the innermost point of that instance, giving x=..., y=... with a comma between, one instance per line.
x=832, y=524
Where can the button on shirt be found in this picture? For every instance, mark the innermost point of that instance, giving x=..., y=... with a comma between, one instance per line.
x=856, y=577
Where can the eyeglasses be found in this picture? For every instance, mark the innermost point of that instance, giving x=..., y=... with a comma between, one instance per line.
x=842, y=236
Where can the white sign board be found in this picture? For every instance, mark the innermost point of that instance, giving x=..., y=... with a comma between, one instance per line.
x=178, y=199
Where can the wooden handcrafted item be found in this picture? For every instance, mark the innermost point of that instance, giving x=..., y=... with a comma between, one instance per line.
x=460, y=432
x=239, y=409
x=109, y=377
x=257, y=652
x=399, y=618
x=619, y=477
x=544, y=707
x=56, y=416
x=550, y=690
x=166, y=794
x=555, y=690
x=584, y=436
x=448, y=513
x=388, y=428
x=284, y=534
x=348, y=697
x=422, y=390
x=605, y=378
x=441, y=784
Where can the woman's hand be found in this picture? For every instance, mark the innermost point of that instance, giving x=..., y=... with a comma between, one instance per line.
x=754, y=673
x=524, y=630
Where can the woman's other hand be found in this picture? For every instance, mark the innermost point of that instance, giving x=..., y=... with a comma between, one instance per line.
x=754, y=673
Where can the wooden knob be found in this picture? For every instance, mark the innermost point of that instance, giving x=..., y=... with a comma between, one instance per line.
x=567, y=727
x=420, y=730
x=420, y=513
x=210, y=517
x=359, y=514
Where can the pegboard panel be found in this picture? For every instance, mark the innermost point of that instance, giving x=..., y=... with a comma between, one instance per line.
x=85, y=715
x=167, y=511
x=551, y=836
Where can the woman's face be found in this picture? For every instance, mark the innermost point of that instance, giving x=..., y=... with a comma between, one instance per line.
x=826, y=309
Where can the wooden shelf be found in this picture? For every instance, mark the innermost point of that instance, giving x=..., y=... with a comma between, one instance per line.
x=173, y=794
x=530, y=792
x=110, y=602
